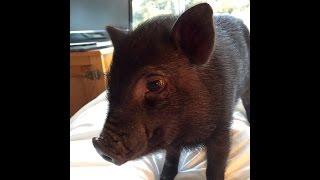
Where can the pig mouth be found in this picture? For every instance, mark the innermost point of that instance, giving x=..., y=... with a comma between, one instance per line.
x=155, y=137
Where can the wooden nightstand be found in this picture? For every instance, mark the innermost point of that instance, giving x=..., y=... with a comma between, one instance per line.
x=87, y=79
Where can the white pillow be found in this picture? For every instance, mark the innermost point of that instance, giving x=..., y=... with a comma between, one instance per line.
x=85, y=163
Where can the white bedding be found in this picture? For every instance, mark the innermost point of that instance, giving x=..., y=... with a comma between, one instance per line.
x=86, y=164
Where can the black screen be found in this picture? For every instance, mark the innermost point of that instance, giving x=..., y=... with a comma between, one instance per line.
x=97, y=14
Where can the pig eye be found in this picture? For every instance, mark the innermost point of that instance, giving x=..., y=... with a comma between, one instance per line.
x=155, y=85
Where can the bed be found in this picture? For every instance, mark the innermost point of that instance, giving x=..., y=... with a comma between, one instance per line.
x=86, y=164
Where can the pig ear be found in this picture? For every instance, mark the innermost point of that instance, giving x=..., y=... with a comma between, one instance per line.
x=116, y=35
x=194, y=33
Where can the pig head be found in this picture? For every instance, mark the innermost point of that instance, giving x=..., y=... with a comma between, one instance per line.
x=156, y=95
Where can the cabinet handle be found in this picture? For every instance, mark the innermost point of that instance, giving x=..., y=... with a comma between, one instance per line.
x=93, y=75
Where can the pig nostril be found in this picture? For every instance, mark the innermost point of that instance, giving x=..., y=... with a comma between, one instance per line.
x=95, y=142
x=107, y=158
x=97, y=145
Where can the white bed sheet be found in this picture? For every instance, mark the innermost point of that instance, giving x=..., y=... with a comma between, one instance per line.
x=86, y=164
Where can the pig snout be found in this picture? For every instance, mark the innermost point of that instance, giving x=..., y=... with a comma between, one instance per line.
x=98, y=145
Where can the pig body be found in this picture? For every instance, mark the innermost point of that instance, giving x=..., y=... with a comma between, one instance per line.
x=173, y=84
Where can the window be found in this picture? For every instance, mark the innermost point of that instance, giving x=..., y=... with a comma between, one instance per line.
x=145, y=9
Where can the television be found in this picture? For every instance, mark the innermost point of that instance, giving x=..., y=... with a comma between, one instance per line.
x=89, y=18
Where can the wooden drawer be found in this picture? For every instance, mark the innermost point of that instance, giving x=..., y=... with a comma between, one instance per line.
x=87, y=79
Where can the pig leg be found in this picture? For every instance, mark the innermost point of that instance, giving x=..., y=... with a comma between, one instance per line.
x=170, y=167
x=217, y=154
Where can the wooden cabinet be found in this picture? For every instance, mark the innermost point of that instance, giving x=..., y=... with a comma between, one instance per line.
x=87, y=76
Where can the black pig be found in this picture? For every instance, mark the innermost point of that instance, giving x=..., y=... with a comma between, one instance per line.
x=173, y=84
